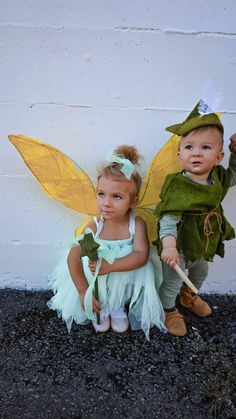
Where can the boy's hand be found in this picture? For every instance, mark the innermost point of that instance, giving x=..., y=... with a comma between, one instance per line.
x=232, y=145
x=170, y=256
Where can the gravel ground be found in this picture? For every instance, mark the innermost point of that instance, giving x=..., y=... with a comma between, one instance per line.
x=46, y=373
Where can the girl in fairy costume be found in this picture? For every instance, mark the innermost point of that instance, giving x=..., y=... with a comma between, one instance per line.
x=191, y=222
x=128, y=277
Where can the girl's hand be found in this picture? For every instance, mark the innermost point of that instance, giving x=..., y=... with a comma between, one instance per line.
x=170, y=256
x=105, y=267
x=232, y=145
x=92, y=266
x=95, y=304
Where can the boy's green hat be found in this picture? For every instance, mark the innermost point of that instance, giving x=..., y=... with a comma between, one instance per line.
x=200, y=116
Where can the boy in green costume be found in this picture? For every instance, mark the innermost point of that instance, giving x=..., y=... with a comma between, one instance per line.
x=191, y=222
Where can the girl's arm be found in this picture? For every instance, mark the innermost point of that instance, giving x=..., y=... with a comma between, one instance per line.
x=78, y=277
x=134, y=260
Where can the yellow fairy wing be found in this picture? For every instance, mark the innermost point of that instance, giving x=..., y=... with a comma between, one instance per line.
x=165, y=162
x=60, y=178
x=79, y=230
x=151, y=221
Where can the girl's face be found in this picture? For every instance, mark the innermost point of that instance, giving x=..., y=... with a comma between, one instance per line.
x=200, y=151
x=114, y=197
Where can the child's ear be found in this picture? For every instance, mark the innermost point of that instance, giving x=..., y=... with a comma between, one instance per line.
x=220, y=157
x=134, y=202
x=179, y=158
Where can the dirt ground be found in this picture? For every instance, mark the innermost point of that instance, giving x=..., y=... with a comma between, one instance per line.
x=46, y=373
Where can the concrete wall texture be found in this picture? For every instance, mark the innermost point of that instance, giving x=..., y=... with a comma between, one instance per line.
x=87, y=75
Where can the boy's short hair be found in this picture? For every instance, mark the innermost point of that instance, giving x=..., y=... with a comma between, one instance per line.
x=205, y=127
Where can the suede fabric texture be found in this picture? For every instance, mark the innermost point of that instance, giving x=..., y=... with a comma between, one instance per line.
x=196, y=120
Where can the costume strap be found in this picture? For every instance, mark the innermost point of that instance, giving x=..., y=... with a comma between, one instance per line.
x=132, y=222
x=99, y=226
x=207, y=225
x=127, y=167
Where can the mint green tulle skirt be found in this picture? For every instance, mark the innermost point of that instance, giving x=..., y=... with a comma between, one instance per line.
x=137, y=289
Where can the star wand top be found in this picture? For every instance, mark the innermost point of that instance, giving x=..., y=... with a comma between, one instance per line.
x=89, y=248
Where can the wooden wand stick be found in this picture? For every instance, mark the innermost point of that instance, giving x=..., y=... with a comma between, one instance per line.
x=184, y=277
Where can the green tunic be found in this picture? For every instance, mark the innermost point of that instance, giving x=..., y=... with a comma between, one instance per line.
x=202, y=227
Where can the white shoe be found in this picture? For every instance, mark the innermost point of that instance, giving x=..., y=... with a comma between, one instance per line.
x=119, y=321
x=104, y=325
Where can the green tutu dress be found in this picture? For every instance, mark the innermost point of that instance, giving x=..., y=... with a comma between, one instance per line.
x=137, y=288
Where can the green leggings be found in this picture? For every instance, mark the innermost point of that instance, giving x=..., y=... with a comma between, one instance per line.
x=171, y=284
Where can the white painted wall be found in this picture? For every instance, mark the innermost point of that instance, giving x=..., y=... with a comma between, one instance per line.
x=87, y=75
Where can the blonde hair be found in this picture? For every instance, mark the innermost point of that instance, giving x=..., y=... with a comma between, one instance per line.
x=114, y=169
x=205, y=127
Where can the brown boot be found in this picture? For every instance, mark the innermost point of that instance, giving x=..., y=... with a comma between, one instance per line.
x=174, y=322
x=193, y=302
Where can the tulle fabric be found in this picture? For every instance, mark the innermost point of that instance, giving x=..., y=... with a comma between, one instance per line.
x=66, y=299
x=136, y=288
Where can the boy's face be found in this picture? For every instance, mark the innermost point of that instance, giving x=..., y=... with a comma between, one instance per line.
x=200, y=151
